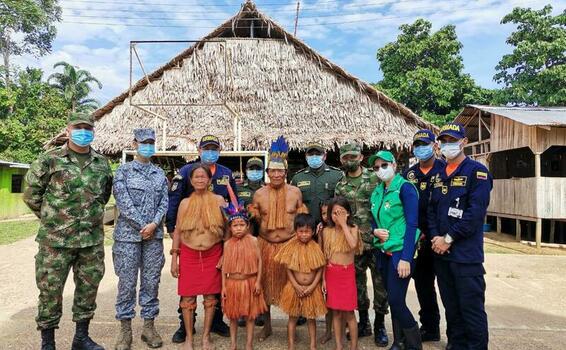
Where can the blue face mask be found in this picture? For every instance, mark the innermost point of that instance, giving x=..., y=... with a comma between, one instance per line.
x=146, y=150
x=423, y=152
x=315, y=162
x=210, y=156
x=254, y=175
x=82, y=137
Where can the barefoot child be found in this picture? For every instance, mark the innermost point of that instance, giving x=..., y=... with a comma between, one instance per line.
x=302, y=295
x=341, y=242
x=242, y=295
x=319, y=228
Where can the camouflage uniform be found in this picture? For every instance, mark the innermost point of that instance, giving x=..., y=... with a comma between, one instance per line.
x=69, y=200
x=141, y=193
x=358, y=192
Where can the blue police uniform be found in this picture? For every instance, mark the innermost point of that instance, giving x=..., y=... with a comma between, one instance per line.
x=182, y=189
x=141, y=196
x=424, y=265
x=458, y=207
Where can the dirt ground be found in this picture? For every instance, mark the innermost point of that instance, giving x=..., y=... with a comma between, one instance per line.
x=526, y=303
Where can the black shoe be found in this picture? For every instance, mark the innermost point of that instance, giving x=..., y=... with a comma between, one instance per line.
x=81, y=340
x=413, y=338
x=180, y=334
x=429, y=336
x=301, y=321
x=242, y=322
x=218, y=325
x=48, y=339
x=398, y=339
x=380, y=337
x=260, y=320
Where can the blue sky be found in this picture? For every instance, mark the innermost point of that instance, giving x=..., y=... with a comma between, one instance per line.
x=95, y=34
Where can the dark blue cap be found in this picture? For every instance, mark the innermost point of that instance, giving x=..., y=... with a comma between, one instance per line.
x=455, y=130
x=424, y=135
x=209, y=140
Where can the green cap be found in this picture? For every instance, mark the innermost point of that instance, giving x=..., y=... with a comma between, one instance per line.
x=350, y=149
x=254, y=161
x=385, y=155
x=316, y=146
x=76, y=118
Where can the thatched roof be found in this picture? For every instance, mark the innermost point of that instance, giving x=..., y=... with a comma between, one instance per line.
x=274, y=82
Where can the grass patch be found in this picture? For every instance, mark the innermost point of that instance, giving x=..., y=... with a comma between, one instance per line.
x=13, y=231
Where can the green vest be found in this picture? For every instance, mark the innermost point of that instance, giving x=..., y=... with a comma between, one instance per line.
x=387, y=210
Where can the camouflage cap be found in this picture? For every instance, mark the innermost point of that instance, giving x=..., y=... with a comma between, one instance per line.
x=255, y=161
x=315, y=146
x=77, y=118
x=350, y=149
x=144, y=134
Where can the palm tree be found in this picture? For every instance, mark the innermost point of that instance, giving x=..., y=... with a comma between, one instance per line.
x=73, y=84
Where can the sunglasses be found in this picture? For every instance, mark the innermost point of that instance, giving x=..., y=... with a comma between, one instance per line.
x=382, y=166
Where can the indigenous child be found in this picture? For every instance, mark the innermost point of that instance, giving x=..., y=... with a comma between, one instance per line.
x=242, y=294
x=319, y=228
x=302, y=295
x=341, y=242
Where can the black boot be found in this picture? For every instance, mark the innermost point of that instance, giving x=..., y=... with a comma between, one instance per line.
x=427, y=335
x=364, y=327
x=82, y=341
x=379, y=332
x=397, y=336
x=48, y=339
x=218, y=325
x=413, y=338
x=301, y=321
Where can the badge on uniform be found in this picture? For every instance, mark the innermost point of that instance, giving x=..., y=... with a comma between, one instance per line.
x=303, y=183
x=387, y=205
x=444, y=189
x=481, y=175
x=411, y=175
x=455, y=212
x=423, y=186
x=224, y=181
x=176, y=180
x=244, y=194
x=459, y=181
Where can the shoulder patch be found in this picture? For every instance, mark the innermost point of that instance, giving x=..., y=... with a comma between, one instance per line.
x=481, y=175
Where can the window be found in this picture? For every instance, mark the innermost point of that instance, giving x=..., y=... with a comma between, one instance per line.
x=17, y=183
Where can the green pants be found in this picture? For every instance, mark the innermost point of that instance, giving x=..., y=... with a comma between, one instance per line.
x=362, y=263
x=52, y=267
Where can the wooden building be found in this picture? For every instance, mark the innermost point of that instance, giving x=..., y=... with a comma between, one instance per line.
x=525, y=150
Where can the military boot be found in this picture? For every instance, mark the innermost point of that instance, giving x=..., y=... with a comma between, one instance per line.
x=48, y=339
x=124, y=341
x=413, y=338
x=397, y=336
x=81, y=340
x=364, y=327
x=379, y=332
x=150, y=335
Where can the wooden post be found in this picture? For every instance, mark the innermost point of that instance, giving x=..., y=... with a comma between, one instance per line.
x=518, y=230
x=537, y=165
x=538, y=232
x=498, y=224
x=552, y=229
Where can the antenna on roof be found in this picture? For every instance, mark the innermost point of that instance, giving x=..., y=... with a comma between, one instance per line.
x=297, y=17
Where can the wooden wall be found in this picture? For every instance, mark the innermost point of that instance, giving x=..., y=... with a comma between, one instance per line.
x=551, y=198
x=507, y=134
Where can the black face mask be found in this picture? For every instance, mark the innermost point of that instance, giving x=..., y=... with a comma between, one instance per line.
x=351, y=165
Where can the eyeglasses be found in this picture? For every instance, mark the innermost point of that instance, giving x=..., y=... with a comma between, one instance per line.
x=382, y=166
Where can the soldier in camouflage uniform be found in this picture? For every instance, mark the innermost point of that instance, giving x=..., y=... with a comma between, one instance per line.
x=357, y=187
x=68, y=188
x=141, y=193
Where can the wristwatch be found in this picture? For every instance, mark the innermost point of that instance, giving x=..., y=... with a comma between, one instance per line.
x=448, y=239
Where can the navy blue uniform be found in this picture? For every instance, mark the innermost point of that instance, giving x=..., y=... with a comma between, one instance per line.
x=424, y=275
x=182, y=189
x=458, y=207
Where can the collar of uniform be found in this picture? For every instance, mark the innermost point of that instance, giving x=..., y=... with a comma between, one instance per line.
x=317, y=172
x=140, y=165
x=65, y=153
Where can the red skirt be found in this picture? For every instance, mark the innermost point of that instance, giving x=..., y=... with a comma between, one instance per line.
x=342, y=294
x=198, y=274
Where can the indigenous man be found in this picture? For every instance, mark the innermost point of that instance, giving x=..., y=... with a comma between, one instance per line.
x=276, y=206
x=68, y=189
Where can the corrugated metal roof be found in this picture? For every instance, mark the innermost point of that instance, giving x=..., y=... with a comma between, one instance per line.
x=535, y=116
x=14, y=165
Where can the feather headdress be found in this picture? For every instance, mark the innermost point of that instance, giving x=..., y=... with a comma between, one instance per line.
x=237, y=211
x=278, y=154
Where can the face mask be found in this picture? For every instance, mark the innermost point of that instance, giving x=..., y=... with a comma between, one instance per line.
x=352, y=165
x=315, y=162
x=423, y=152
x=450, y=150
x=82, y=137
x=254, y=175
x=146, y=150
x=210, y=156
x=386, y=174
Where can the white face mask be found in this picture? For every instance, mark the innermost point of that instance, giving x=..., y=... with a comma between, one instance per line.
x=386, y=174
x=450, y=150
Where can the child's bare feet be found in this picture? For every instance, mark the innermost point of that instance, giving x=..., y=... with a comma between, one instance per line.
x=249, y=347
x=325, y=338
x=187, y=346
x=206, y=344
x=233, y=346
x=265, y=333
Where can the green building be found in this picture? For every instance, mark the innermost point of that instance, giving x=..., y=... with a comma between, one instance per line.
x=11, y=189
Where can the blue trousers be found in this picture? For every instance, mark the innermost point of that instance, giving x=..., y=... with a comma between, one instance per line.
x=424, y=277
x=131, y=259
x=396, y=290
x=462, y=290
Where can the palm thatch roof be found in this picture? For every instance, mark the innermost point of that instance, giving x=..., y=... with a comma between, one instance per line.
x=274, y=82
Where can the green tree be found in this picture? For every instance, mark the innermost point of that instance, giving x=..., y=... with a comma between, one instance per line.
x=424, y=70
x=38, y=113
x=26, y=27
x=536, y=69
x=74, y=85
